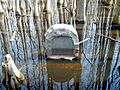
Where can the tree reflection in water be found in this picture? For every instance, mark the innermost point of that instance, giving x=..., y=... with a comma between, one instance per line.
x=99, y=66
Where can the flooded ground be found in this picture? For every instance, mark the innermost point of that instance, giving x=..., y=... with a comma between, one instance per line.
x=98, y=67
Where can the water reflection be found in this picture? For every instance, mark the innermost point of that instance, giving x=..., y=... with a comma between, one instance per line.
x=100, y=72
x=62, y=71
x=98, y=68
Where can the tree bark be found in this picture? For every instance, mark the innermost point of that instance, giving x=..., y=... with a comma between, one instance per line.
x=60, y=10
x=81, y=15
x=3, y=29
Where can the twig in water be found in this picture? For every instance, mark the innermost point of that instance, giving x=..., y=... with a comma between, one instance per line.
x=102, y=35
x=108, y=37
x=83, y=41
x=86, y=58
x=83, y=51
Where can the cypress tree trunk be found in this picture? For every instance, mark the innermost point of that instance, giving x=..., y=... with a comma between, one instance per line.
x=3, y=29
x=60, y=10
x=81, y=15
x=47, y=14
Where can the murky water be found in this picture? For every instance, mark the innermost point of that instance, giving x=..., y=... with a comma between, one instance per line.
x=97, y=68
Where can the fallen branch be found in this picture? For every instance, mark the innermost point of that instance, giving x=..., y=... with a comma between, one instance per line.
x=108, y=37
x=83, y=41
x=102, y=35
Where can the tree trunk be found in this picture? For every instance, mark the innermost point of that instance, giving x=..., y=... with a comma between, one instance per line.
x=3, y=29
x=81, y=15
x=60, y=10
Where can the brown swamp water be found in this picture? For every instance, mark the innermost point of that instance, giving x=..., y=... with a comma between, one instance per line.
x=97, y=68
